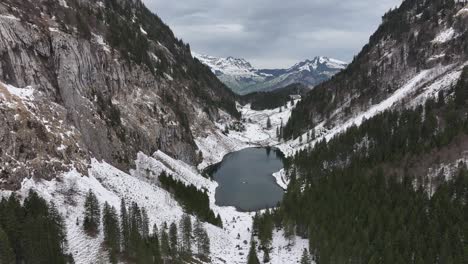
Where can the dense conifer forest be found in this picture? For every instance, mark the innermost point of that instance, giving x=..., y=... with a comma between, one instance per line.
x=32, y=232
x=274, y=99
x=363, y=198
x=193, y=200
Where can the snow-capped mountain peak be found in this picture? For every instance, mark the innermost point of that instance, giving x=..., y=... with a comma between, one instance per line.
x=229, y=65
x=319, y=63
x=239, y=75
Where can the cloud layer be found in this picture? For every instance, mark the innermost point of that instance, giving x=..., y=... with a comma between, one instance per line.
x=273, y=33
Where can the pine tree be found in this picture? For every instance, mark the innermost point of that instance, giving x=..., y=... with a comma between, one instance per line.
x=165, y=244
x=92, y=218
x=59, y=224
x=186, y=233
x=205, y=246
x=7, y=256
x=266, y=255
x=305, y=259
x=173, y=240
x=145, y=223
x=111, y=231
x=136, y=228
x=202, y=240
x=268, y=124
x=289, y=231
x=155, y=247
x=461, y=89
x=124, y=226
x=197, y=232
x=252, y=258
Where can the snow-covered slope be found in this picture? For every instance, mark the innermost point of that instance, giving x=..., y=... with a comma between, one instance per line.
x=141, y=186
x=242, y=77
x=426, y=84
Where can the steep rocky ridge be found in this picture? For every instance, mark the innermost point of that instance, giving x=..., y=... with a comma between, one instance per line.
x=421, y=38
x=105, y=79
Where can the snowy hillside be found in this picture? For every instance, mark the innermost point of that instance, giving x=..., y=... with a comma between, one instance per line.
x=242, y=77
x=426, y=84
x=141, y=186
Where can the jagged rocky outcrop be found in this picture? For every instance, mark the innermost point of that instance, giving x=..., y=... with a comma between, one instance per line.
x=419, y=35
x=96, y=79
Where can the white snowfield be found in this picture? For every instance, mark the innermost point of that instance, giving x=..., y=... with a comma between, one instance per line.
x=26, y=93
x=445, y=36
x=229, y=65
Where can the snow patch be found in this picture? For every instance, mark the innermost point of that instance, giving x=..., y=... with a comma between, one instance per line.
x=445, y=36
x=26, y=93
x=63, y=3
x=143, y=31
x=281, y=179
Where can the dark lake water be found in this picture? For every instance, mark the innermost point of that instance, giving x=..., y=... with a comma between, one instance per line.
x=245, y=179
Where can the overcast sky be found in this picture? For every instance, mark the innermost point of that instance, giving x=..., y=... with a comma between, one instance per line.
x=273, y=33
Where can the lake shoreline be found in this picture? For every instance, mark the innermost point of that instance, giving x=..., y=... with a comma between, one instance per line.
x=242, y=181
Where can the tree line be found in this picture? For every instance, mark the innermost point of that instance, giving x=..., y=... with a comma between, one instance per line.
x=35, y=232
x=193, y=200
x=32, y=232
x=128, y=237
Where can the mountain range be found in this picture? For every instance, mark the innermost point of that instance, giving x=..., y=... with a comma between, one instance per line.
x=239, y=74
x=102, y=107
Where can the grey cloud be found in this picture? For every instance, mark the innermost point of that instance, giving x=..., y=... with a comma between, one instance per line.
x=273, y=33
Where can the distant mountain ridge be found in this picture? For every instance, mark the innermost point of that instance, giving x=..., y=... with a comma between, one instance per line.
x=239, y=75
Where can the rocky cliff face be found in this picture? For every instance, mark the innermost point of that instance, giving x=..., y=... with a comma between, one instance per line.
x=84, y=79
x=418, y=36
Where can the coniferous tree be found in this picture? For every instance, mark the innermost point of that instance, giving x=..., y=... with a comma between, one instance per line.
x=202, y=240
x=197, y=232
x=252, y=257
x=32, y=232
x=265, y=229
x=268, y=124
x=124, y=226
x=7, y=255
x=205, y=246
x=289, y=231
x=461, y=89
x=155, y=247
x=145, y=223
x=305, y=259
x=136, y=228
x=194, y=200
x=59, y=224
x=266, y=255
x=112, y=231
x=92, y=218
x=165, y=244
x=186, y=234
x=173, y=240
